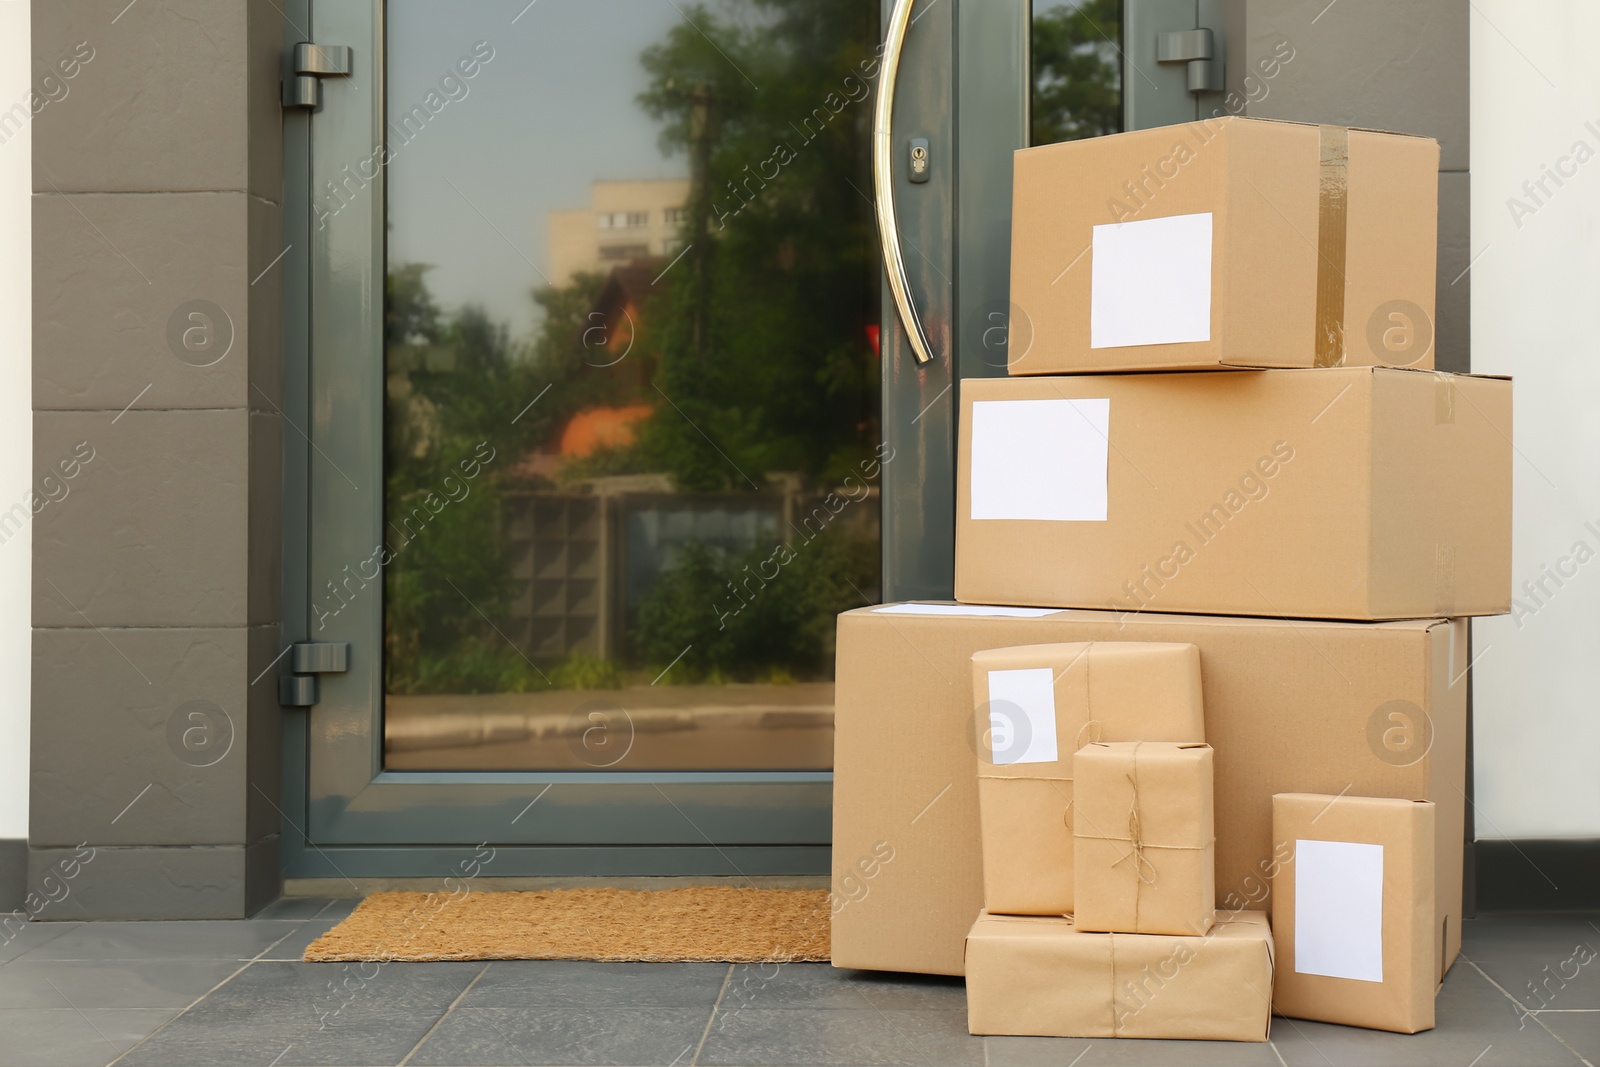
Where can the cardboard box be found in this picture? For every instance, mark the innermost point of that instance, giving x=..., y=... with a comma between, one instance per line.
x=1354, y=910
x=1036, y=705
x=1044, y=977
x=1228, y=242
x=1375, y=709
x=1361, y=493
x=1143, y=838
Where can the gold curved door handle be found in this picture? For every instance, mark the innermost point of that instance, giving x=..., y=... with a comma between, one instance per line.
x=883, y=185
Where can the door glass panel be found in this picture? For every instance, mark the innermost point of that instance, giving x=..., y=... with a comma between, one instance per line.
x=632, y=406
x=1077, y=70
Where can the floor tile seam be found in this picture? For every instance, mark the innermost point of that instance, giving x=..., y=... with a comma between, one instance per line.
x=710, y=1019
x=79, y=1013
x=1073, y=1063
x=70, y=1008
x=445, y=1014
x=1518, y=1005
x=194, y=1003
x=148, y=959
x=66, y=928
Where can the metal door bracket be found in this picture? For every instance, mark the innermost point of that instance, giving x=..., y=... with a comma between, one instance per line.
x=307, y=659
x=1197, y=48
x=308, y=65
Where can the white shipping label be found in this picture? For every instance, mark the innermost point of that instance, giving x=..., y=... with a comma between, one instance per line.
x=981, y=610
x=1338, y=909
x=1022, y=716
x=1150, y=282
x=1040, y=459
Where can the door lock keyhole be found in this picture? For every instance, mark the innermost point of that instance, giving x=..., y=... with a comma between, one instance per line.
x=919, y=160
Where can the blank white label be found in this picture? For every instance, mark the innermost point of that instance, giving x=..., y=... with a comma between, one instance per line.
x=964, y=609
x=1040, y=459
x=1338, y=909
x=1022, y=716
x=1150, y=282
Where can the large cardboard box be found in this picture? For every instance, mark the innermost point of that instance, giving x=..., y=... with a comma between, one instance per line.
x=1144, y=859
x=1225, y=242
x=1045, y=977
x=1374, y=709
x=1359, y=493
x=1353, y=905
x=1036, y=705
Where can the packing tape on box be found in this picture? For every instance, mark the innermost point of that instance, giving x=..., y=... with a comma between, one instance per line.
x=1444, y=570
x=1444, y=577
x=1444, y=399
x=1333, y=215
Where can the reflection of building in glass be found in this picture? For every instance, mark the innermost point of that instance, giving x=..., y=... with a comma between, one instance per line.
x=590, y=529
x=609, y=345
x=625, y=220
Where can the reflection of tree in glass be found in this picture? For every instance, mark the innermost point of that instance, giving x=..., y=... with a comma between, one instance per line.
x=764, y=340
x=760, y=631
x=763, y=335
x=454, y=382
x=1077, y=71
x=448, y=382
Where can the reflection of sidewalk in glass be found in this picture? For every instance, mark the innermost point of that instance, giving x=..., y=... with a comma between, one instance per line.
x=688, y=727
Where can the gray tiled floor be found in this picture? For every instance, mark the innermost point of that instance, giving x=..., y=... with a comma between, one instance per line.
x=1526, y=993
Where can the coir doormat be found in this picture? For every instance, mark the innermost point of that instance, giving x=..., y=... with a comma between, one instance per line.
x=705, y=923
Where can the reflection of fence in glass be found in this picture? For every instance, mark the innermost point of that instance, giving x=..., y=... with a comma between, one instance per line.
x=585, y=565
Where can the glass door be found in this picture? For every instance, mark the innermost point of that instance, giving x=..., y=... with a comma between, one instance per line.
x=608, y=411
x=631, y=418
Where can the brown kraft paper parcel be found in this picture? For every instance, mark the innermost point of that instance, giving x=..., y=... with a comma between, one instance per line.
x=1143, y=838
x=1043, y=977
x=1316, y=247
x=1110, y=690
x=1289, y=705
x=1382, y=973
x=1346, y=493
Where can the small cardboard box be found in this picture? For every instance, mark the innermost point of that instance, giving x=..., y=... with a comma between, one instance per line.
x=1036, y=705
x=1357, y=493
x=1045, y=977
x=1144, y=859
x=1355, y=913
x=1289, y=705
x=1228, y=242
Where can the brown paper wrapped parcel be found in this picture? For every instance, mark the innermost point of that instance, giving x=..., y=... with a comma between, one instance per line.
x=1361, y=938
x=1035, y=706
x=1043, y=977
x=1144, y=838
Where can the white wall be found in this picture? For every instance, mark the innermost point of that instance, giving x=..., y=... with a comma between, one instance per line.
x=16, y=422
x=1535, y=308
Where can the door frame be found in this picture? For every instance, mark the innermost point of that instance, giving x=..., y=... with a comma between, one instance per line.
x=343, y=814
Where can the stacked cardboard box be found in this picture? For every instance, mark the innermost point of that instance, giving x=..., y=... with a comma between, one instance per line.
x=1291, y=705
x=1303, y=488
